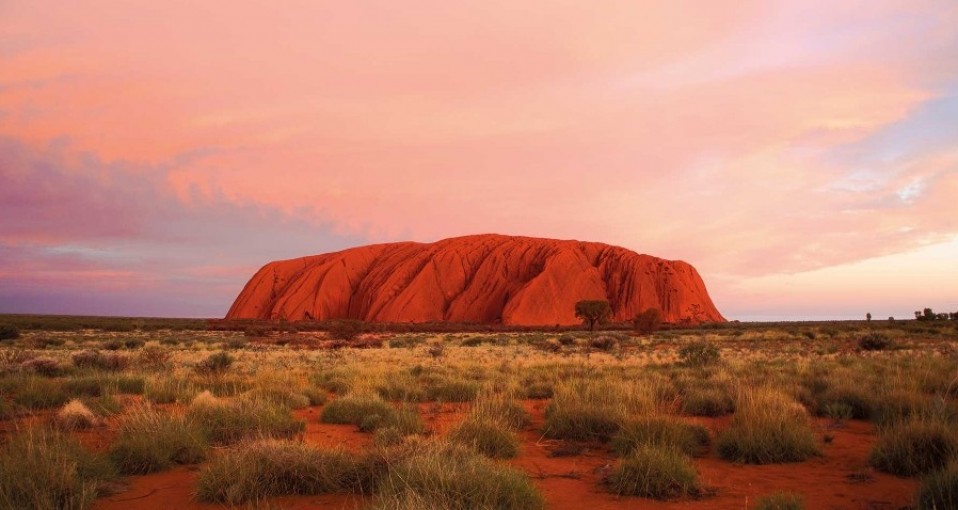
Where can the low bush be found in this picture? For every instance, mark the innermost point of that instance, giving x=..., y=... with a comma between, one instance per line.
x=654, y=472
x=45, y=469
x=346, y=329
x=663, y=431
x=437, y=474
x=267, y=468
x=603, y=342
x=914, y=447
x=150, y=441
x=874, y=342
x=154, y=357
x=106, y=361
x=8, y=332
x=215, y=363
x=767, y=428
x=939, y=489
x=699, y=353
x=42, y=365
x=781, y=501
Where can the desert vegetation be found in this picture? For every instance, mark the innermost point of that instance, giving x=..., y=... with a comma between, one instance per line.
x=479, y=418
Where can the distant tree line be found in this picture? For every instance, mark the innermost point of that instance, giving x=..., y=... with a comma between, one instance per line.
x=929, y=315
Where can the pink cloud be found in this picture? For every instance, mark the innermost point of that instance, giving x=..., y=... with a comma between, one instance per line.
x=739, y=135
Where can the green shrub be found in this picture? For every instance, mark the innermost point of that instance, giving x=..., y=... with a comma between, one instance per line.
x=654, y=472
x=781, y=501
x=8, y=332
x=699, y=354
x=440, y=475
x=106, y=361
x=216, y=363
x=316, y=396
x=48, y=470
x=133, y=343
x=487, y=436
x=267, y=468
x=226, y=422
x=150, y=441
x=914, y=447
x=939, y=489
x=767, y=428
x=661, y=431
x=874, y=342
x=346, y=329
x=42, y=365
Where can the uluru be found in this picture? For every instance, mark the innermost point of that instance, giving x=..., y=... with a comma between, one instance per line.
x=474, y=279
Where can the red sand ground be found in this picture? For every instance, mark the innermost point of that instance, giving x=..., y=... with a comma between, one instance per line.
x=841, y=479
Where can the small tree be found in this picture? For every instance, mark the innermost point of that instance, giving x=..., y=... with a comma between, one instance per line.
x=648, y=321
x=929, y=314
x=868, y=316
x=593, y=312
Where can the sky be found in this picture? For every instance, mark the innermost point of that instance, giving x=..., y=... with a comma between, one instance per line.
x=801, y=154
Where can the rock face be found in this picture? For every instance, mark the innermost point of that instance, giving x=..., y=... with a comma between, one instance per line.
x=474, y=279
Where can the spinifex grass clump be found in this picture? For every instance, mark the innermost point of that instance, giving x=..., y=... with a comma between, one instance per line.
x=503, y=407
x=75, y=416
x=939, y=489
x=780, y=501
x=437, y=474
x=228, y=421
x=768, y=427
x=370, y=413
x=487, y=435
x=594, y=409
x=267, y=468
x=32, y=392
x=915, y=447
x=653, y=471
x=150, y=441
x=48, y=470
x=167, y=389
x=664, y=431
